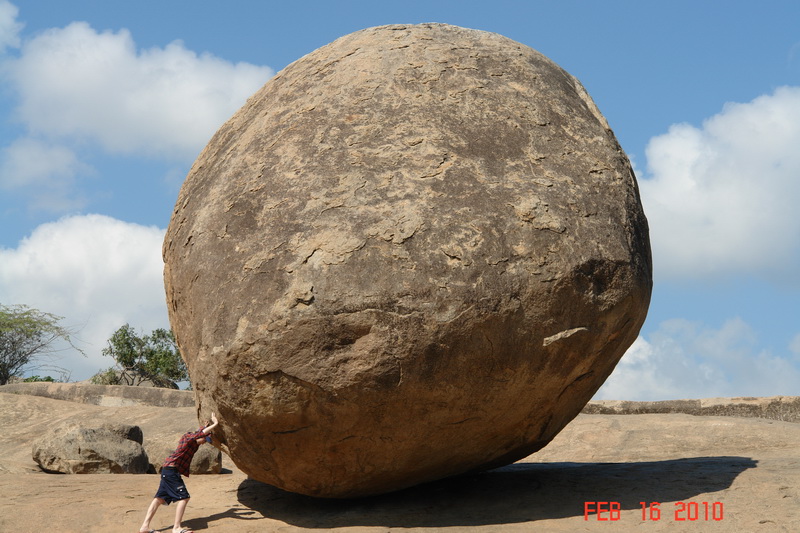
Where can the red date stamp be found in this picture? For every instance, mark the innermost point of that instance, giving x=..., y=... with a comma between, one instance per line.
x=603, y=511
x=654, y=511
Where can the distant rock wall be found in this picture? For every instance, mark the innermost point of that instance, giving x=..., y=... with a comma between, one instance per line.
x=784, y=408
x=104, y=395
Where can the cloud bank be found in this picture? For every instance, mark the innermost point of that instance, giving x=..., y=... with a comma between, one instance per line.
x=48, y=171
x=684, y=359
x=97, y=272
x=79, y=92
x=721, y=198
x=9, y=27
x=721, y=202
x=77, y=83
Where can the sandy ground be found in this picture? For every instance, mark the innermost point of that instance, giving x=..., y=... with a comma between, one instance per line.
x=706, y=473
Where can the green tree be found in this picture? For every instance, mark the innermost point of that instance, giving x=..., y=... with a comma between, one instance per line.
x=37, y=379
x=28, y=337
x=155, y=357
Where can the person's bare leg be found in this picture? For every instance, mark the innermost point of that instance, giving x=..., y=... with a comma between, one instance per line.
x=180, y=507
x=151, y=511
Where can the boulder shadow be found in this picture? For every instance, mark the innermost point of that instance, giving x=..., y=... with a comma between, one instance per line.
x=518, y=493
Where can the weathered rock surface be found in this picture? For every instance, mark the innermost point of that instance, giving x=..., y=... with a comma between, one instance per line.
x=105, y=449
x=415, y=252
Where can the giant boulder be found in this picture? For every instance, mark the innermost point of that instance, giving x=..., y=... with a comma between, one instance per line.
x=415, y=252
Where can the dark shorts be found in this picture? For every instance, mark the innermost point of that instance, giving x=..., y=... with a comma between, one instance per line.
x=172, y=487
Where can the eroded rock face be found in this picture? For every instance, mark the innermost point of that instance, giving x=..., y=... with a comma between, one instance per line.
x=415, y=252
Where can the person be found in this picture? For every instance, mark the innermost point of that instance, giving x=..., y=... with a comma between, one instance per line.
x=172, y=489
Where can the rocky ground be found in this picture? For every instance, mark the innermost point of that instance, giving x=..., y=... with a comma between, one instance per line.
x=707, y=473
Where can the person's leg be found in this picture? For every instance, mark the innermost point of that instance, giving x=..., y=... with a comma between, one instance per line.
x=180, y=507
x=151, y=511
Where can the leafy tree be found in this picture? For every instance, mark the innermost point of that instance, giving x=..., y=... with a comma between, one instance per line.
x=155, y=357
x=36, y=379
x=28, y=336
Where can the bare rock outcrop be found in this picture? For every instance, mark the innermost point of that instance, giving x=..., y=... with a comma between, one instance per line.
x=70, y=448
x=415, y=252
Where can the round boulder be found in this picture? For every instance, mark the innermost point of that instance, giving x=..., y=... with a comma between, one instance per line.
x=415, y=252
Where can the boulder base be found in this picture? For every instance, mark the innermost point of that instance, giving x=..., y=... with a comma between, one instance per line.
x=415, y=252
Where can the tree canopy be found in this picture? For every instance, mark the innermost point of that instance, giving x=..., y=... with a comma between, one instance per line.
x=155, y=356
x=28, y=338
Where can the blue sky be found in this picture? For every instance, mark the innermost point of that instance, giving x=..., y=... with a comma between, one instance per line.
x=104, y=106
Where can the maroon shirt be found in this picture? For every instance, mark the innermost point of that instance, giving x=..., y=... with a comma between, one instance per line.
x=181, y=458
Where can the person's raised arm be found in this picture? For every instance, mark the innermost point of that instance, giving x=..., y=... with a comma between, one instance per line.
x=210, y=427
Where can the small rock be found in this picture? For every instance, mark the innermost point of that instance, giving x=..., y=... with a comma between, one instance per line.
x=76, y=449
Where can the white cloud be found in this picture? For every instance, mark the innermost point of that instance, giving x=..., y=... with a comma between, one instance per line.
x=79, y=90
x=97, y=272
x=79, y=84
x=46, y=172
x=29, y=161
x=684, y=359
x=794, y=347
x=9, y=27
x=721, y=199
